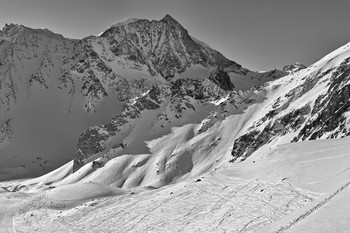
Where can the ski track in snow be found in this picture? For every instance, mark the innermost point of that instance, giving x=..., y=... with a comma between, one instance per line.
x=213, y=204
x=314, y=208
x=330, y=157
x=12, y=204
x=6, y=219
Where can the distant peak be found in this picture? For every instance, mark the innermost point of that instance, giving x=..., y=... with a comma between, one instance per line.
x=169, y=19
x=47, y=32
x=166, y=21
x=11, y=29
x=15, y=29
x=11, y=25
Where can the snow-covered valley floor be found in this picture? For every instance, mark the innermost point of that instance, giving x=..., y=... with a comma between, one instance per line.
x=299, y=187
x=217, y=203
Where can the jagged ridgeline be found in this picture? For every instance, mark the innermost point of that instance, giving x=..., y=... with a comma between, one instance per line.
x=64, y=99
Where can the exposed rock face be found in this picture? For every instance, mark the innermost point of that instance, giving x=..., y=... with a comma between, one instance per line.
x=330, y=111
x=222, y=79
x=6, y=132
x=165, y=46
x=246, y=144
x=30, y=57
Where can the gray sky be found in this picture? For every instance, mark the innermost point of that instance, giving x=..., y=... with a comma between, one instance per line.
x=258, y=34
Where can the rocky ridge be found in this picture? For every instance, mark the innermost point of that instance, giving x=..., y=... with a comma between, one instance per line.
x=315, y=106
x=164, y=46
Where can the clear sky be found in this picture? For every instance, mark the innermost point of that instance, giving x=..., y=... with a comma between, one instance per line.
x=258, y=34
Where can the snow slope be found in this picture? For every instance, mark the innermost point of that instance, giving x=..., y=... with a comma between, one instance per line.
x=333, y=217
x=243, y=197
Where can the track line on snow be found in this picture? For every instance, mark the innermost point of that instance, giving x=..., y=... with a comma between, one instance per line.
x=330, y=157
x=13, y=224
x=313, y=209
x=7, y=213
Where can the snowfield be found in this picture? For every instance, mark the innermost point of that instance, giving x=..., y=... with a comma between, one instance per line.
x=274, y=192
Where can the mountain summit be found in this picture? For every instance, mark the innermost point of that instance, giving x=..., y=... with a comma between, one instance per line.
x=164, y=45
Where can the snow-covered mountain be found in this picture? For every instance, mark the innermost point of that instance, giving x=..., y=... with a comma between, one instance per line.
x=149, y=111
x=54, y=88
x=164, y=46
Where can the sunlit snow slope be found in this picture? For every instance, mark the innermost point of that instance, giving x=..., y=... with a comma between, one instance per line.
x=280, y=190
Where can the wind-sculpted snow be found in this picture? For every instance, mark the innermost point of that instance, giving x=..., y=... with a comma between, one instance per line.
x=261, y=193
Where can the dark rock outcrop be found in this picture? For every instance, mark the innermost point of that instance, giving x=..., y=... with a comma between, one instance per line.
x=329, y=109
x=222, y=79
